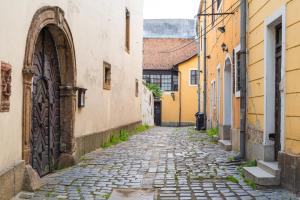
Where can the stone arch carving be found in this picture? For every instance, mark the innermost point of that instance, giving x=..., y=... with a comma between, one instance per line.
x=53, y=19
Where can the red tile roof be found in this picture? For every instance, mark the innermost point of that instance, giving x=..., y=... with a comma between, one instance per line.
x=160, y=54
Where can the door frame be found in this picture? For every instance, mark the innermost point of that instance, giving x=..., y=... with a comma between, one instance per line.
x=53, y=19
x=229, y=104
x=269, y=79
x=219, y=93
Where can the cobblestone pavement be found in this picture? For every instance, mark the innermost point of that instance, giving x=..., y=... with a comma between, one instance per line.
x=179, y=162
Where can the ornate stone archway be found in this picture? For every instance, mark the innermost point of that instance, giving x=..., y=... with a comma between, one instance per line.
x=53, y=19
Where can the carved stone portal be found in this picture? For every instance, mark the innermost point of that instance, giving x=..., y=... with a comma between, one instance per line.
x=5, y=87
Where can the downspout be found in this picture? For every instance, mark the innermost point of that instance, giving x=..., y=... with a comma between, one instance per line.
x=204, y=66
x=179, y=123
x=179, y=92
x=243, y=77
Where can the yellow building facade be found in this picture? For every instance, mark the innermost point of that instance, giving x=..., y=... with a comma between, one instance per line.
x=273, y=117
x=223, y=45
x=179, y=108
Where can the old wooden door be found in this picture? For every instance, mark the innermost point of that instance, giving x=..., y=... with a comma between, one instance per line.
x=278, y=52
x=45, y=133
x=157, y=113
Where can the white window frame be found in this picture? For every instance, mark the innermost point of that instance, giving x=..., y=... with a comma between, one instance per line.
x=237, y=49
x=190, y=71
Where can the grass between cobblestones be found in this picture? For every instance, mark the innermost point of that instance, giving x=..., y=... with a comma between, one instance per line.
x=124, y=135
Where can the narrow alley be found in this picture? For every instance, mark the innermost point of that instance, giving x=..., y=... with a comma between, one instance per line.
x=177, y=163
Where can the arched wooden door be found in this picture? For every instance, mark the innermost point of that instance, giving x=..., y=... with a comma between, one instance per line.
x=45, y=136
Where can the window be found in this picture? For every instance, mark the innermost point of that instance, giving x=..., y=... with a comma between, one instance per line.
x=237, y=71
x=212, y=12
x=166, y=82
x=136, y=87
x=193, y=77
x=175, y=83
x=219, y=3
x=127, y=31
x=106, y=76
x=155, y=79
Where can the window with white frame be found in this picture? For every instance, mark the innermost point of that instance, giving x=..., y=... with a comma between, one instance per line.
x=237, y=56
x=193, y=77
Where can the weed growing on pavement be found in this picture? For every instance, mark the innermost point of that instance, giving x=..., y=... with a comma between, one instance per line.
x=48, y=194
x=231, y=159
x=106, y=195
x=250, y=183
x=141, y=128
x=213, y=133
x=123, y=135
x=232, y=179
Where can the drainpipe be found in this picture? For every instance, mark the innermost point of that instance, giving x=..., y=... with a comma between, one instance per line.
x=179, y=73
x=179, y=93
x=204, y=66
x=243, y=98
x=197, y=40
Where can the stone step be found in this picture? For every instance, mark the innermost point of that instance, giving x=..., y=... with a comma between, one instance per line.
x=271, y=167
x=225, y=144
x=261, y=177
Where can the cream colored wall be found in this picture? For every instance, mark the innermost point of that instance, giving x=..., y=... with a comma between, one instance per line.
x=258, y=12
x=98, y=28
x=215, y=38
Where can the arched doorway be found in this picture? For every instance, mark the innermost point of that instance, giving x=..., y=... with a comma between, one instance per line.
x=227, y=97
x=45, y=128
x=49, y=101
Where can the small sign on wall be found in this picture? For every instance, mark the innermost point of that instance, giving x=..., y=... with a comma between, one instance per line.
x=5, y=89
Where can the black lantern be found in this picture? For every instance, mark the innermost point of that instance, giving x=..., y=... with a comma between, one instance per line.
x=81, y=97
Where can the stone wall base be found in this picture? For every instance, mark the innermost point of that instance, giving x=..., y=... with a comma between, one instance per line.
x=176, y=124
x=235, y=139
x=256, y=151
x=224, y=132
x=89, y=143
x=11, y=181
x=290, y=171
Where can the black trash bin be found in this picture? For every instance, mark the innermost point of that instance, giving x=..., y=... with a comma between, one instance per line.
x=199, y=121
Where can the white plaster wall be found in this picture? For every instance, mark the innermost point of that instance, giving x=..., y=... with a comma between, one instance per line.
x=147, y=107
x=98, y=29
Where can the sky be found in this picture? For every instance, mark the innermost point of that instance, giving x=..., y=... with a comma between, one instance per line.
x=174, y=9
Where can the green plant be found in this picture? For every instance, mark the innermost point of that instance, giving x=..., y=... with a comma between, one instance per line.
x=124, y=135
x=106, y=195
x=141, y=128
x=250, y=183
x=213, y=132
x=232, y=179
x=155, y=89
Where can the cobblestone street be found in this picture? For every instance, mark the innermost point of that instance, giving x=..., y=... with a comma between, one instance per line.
x=178, y=162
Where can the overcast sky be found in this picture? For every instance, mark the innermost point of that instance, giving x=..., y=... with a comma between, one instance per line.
x=179, y=9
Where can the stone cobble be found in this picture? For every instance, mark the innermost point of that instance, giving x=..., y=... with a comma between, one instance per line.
x=179, y=163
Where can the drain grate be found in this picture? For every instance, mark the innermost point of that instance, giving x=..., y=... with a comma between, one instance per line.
x=132, y=194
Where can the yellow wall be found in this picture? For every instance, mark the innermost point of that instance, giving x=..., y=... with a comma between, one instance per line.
x=215, y=38
x=170, y=107
x=259, y=10
x=189, y=92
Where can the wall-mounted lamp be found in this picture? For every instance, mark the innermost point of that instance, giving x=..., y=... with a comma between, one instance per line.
x=221, y=29
x=173, y=96
x=224, y=47
x=81, y=97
